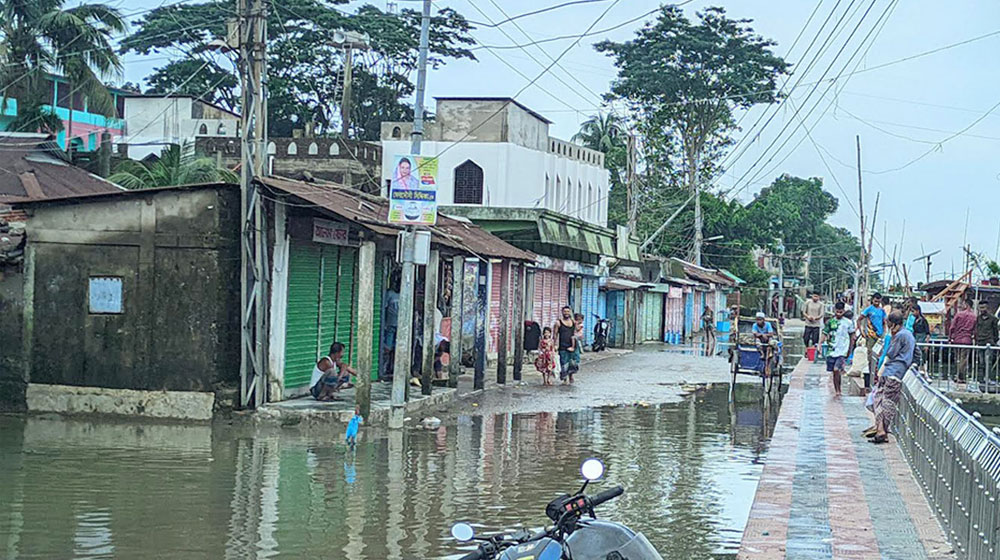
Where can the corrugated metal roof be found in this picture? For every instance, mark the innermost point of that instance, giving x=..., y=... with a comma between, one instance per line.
x=34, y=168
x=372, y=212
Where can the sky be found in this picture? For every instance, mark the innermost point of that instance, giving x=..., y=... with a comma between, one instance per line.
x=938, y=190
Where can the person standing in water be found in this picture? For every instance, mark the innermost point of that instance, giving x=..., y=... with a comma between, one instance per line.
x=565, y=334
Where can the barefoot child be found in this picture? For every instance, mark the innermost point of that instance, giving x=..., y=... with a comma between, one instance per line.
x=545, y=363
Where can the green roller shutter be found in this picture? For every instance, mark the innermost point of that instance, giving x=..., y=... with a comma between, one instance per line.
x=377, y=317
x=302, y=329
x=346, y=303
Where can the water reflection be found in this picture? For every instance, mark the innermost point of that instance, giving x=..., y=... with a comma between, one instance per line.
x=77, y=489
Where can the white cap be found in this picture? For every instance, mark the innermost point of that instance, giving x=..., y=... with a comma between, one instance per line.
x=760, y=315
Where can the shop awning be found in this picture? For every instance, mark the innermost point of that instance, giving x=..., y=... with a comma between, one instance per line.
x=624, y=284
x=371, y=212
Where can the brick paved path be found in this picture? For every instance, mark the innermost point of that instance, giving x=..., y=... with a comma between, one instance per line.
x=826, y=493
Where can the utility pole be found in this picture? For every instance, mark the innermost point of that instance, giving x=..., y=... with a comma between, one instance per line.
x=698, y=234
x=349, y=41
x=630, y=185
x=862, y=263
x=252, y=16
x=404, y=335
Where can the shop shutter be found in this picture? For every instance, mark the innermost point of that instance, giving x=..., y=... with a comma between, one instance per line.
x=494, y=324
x=346, y=303
x=302, y=328
x=328, y=300
x=377, y=316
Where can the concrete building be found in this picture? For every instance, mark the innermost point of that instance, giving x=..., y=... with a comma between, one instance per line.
x=81, y=128
x=153, y=122
x=352, y=163
x=499, y=167
x=497, y=153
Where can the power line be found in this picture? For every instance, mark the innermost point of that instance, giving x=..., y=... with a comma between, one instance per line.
x=750, y=134
x=813, y=108
x=598, y=32
x=540, y=63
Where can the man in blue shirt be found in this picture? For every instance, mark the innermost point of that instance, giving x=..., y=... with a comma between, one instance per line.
x=898, y=360
x=763, y=335
x=872, y=325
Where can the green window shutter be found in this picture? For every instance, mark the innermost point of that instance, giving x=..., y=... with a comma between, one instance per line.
x=302, y=314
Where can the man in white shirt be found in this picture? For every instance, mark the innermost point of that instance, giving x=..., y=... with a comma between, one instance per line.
x=843, y=343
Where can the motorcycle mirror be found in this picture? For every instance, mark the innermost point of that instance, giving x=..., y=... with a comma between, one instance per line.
x=592, y=469
x=462, y=532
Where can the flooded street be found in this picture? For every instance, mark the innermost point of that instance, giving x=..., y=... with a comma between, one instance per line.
x=85, y=489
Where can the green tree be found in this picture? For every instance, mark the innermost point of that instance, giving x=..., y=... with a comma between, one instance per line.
x=177, y=165
x=606, y=133
x=305, y=68
x=38, y=37
x=684, y=80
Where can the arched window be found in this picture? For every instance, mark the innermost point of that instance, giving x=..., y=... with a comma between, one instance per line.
x=334, y=148
x=468, y=183
x=292, y=149
x=221, y=129
x=547, y=195
x=591, y=203
x=313, y=149
x=271, y=148
x=203, y=130
x=396, y=132
x=557, y=199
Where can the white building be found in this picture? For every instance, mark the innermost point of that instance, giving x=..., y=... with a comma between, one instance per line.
x=154, y=122
x=497, y=153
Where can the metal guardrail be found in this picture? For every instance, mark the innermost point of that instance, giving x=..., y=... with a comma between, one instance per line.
x=957, y=462
x=952, y=365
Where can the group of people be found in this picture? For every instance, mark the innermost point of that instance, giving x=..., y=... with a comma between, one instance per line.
x=891, y=339
x=561, y=348
x=970, y=328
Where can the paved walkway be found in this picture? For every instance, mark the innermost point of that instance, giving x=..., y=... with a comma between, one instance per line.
x=826, y=493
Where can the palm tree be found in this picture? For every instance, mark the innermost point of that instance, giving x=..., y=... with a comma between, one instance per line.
x=41, y=36
x=177, y=165
x=603, y=133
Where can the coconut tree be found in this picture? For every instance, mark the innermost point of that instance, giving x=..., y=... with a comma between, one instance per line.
x=42, y=36
x=177, y=165
x=601, y=132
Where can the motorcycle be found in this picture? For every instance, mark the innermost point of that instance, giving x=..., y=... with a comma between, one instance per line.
x=572, y=537
x=601, y=332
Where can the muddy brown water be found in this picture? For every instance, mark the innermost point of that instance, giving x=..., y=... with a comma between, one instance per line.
x=81, y=489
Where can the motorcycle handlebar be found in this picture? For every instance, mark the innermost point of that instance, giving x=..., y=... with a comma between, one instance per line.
x=609, y=494
x=474, y=555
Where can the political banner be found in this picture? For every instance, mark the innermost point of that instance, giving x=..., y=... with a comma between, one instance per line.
x=413, y=191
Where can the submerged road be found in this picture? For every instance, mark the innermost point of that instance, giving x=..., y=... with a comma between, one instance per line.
x=652, y=374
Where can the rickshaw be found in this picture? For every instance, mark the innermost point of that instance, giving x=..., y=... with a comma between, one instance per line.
x=745, y=357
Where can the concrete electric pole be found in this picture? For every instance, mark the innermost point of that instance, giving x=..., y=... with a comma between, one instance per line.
x=404, y=333
x=252, y=16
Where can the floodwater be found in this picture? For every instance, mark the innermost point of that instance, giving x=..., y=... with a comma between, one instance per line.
x=84, y=489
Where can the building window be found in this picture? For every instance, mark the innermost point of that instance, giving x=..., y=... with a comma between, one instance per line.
x=468, y=183
x=557, y=199
x=313, y=149
x=221, y=129
x=203, y=130
x=334, y=148
x=292, y=149
x=547, y=195
x=590, y=200
x=396, y=132
x=271, y=148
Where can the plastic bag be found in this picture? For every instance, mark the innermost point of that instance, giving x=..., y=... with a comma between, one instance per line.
x=870, y=400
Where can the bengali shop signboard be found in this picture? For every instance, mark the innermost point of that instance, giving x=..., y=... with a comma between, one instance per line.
x=413, y=191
